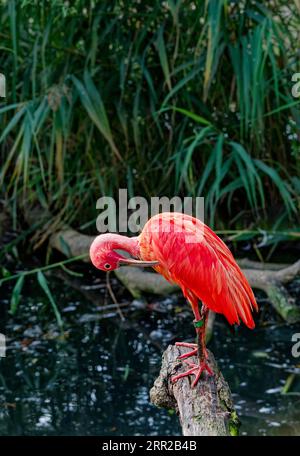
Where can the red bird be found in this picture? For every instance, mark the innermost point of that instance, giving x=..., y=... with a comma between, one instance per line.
x=186, y=252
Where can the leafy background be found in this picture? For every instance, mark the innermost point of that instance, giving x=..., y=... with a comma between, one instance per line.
x=163, y=98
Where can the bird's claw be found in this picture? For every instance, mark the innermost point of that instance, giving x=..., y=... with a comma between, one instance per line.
x=195, y=369
x=188, y=345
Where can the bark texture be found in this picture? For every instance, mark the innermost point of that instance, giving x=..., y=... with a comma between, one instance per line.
x=207, y=409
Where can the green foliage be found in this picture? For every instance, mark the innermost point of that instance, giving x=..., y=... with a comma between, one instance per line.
x=16, y=295
x=112, y=94
x=44, y=285
x=19, y=278
x=234, y=424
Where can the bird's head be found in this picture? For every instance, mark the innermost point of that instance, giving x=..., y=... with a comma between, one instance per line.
x=104, y=256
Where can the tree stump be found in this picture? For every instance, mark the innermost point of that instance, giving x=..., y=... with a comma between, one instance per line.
x=207, y=409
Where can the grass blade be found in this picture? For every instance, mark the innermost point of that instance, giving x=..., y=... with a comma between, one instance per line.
x=16, y=295
x=44, y=285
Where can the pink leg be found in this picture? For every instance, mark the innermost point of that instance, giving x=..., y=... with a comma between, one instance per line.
x=198, y=349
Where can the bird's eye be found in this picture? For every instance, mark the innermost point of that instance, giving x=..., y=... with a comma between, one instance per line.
x=107, y=266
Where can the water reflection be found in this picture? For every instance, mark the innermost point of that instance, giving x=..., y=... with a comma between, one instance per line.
x=97, y=380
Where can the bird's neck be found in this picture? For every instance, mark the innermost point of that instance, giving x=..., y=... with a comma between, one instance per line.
x=128, y=244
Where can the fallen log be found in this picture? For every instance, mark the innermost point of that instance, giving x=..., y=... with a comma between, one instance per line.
x=138, y=281
x=207, y=409
x=272, y=283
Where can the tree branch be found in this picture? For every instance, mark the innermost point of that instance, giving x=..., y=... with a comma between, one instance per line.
x=204, y=410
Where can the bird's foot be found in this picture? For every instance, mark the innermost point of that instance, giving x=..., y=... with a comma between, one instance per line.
x=195, y=369
x=188, y=345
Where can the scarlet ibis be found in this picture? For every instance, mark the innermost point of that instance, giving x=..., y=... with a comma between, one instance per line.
x=186, y=252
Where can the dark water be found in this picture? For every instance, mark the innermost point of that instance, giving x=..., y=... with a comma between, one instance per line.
x=96, y=379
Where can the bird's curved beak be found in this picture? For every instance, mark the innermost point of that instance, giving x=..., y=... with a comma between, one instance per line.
x=138, y=263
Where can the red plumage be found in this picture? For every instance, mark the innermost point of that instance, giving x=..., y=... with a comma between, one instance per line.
x=204, y=269
x=187, y=252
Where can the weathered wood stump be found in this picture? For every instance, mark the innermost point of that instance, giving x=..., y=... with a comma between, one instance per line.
x=205, y=410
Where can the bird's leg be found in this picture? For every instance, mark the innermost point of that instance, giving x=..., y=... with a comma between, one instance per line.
x=200, y=326
x=199, y=349
x=194, y=347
